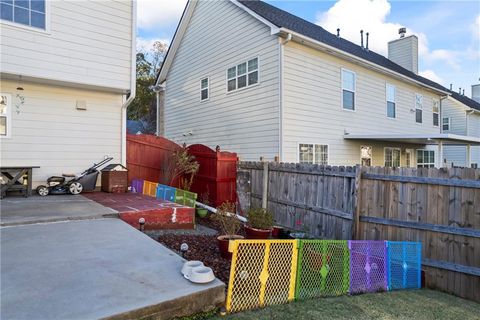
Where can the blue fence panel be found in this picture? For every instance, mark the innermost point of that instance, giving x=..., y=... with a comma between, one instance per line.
x=404, y=265
x=166, y=193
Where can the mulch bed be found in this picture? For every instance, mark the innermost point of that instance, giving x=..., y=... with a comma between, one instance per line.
x=201, y=247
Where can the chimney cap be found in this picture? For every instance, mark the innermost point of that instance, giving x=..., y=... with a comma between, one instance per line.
x=402, y=32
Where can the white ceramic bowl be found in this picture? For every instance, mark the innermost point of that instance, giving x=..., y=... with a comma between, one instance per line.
x=200, y=275
x=187, y=266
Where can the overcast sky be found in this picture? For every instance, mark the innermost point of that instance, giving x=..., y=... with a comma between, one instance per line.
x=448, y=31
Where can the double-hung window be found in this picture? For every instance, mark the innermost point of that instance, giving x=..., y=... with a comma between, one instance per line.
x=26, y=12
x=242, y=75
x=418, y=108
x=204, y=89
x=348, y=89
x=445, y=124
x=5, y=115
x=392, y=157
x=313, y=153
x=390, y=94
x=436, y=113
x=425, y=158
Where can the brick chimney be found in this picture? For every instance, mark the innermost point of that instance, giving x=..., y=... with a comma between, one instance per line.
x=404, y=51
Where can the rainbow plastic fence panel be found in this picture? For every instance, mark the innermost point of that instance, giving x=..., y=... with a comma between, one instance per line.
x=262, y=273
x=368, y=266
x=323, y=268
x=137, y=185
x=150, y=188
x=166, y=193
x=185, y=198
x=404, y=265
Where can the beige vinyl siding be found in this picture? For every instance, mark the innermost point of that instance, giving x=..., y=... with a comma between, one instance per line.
x=473, y=121
x=48, y=131
x=87, y=43
x=312, y=106
x=219, y=36
x=404, y=51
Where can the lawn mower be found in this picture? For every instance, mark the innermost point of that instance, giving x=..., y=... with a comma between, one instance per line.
x=86, y=181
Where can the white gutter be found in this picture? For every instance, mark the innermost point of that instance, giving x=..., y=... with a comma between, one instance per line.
x=355, y=58
x=133, y=83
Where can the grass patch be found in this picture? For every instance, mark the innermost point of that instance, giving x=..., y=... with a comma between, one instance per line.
x=410, y=304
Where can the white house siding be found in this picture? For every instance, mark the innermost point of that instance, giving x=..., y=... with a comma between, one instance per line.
x=221, y=35
x=88, y=42
x=48, y=131
x=312, y=107
x=461, y=124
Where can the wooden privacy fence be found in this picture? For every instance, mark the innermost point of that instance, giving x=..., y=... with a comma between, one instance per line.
x=216, y=176
x=147, y=156
x=438, y=207
x=315, y=199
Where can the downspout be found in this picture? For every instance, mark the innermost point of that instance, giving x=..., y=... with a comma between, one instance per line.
x=440, y=124
x=281, y=63
x=133, y=78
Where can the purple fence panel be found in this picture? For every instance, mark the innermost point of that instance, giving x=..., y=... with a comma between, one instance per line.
x=368, y=266
x=137, y=185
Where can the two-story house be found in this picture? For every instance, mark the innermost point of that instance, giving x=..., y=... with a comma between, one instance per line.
x=67, y=76
x=461, y=115
x=262, y=82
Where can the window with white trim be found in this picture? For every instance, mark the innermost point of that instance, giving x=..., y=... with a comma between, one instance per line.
x=348, y=89
x=204, y=89
x=313, y=153
x=26, y=12
x=5, y=115
x=242, y=75
x=418, y=108
x=446, y=124
x=390, y=95
x=366, y=155
x=425, y=158
x=392, y=157
x=436, y=113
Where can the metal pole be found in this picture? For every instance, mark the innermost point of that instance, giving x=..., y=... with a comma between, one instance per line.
x=212, y=209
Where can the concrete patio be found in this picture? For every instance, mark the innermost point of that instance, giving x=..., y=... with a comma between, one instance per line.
x=90, y=268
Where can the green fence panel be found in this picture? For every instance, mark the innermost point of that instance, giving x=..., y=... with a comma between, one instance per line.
x=185, y=198
x=323, y=268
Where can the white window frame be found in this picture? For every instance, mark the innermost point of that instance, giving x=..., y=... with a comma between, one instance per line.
x=354, y=89
x=314, y=144
x=418, y=108
x=8, y=115
x=423, y=165
x=409, y=158
x=247, y=73
x=436, y=104
x=449, y=124
x=207, y=88
x=385, y=157
x=47, y=29
x=394, y=100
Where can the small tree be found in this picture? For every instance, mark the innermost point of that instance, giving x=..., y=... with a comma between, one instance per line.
x=180, y=165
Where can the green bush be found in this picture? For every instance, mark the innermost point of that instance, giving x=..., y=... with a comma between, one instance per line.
x=260, y=219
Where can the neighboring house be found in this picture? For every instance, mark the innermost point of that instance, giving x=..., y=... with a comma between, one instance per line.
x=461, y=115
x=67, y=76
x=261, y=82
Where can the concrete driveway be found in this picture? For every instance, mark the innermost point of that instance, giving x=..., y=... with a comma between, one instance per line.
x=36, y=209
x=90, y=268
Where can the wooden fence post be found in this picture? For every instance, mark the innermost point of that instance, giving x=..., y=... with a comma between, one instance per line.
x=357, y=202
x=265, y=185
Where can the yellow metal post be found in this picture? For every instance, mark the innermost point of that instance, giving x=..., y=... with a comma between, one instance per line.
x=264, y=274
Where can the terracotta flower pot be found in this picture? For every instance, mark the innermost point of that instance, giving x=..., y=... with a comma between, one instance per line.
x=253, y=233
x=276, y=231
x=223, y=244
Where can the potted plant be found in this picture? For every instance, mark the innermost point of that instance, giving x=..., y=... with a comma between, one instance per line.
x=260, y=222
x=277, y=230
x=229, y=225
x=201, y=212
